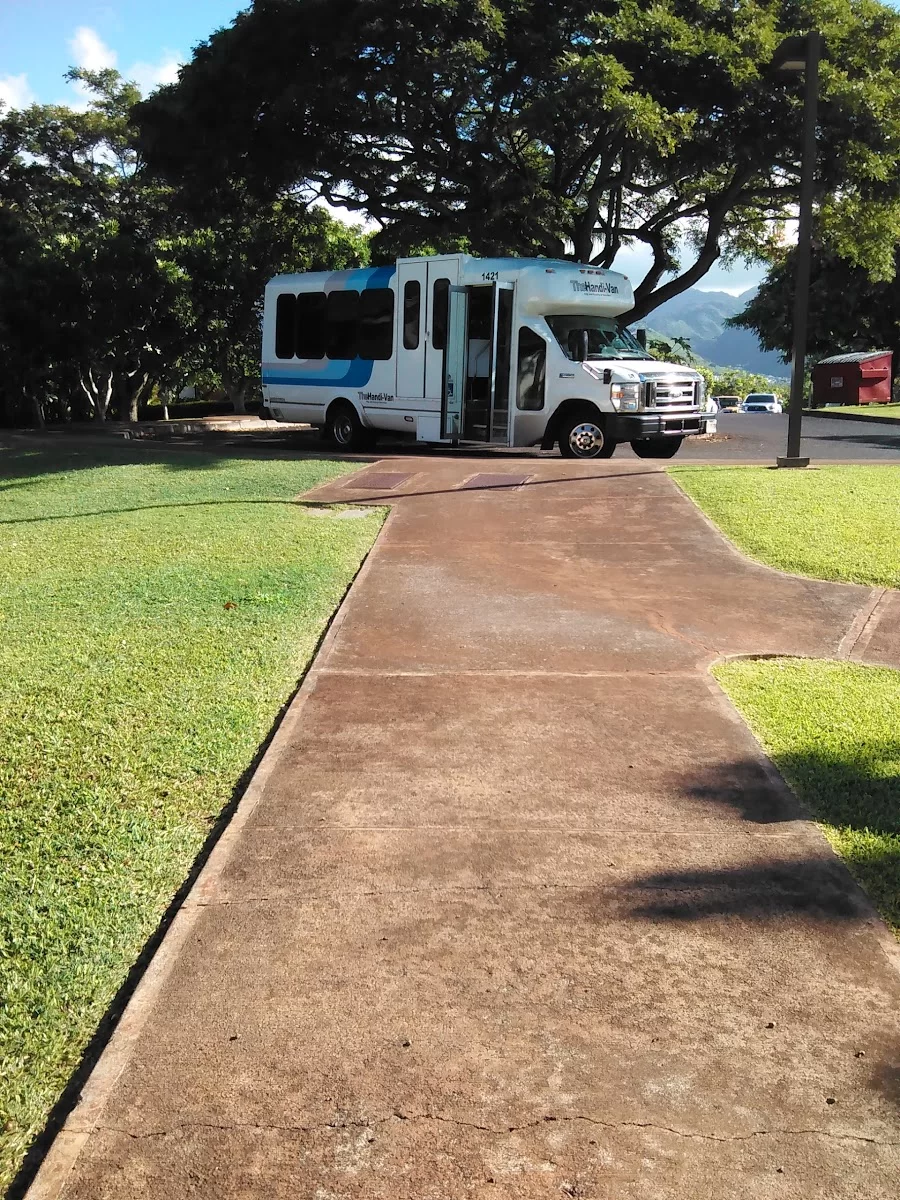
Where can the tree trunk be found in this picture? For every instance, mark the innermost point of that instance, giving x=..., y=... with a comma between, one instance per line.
x=138, y=390
x=235, y=389
x=31, y=393
x=98, y=390
x=37, y=409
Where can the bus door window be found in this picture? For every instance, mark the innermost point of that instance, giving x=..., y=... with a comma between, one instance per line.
x=531, y=374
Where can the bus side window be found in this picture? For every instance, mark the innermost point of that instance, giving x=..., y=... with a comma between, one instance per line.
x=284, y=325
x=376, y=323
x=412, y=307
x=532, y=370
x=309, y=338
x=341, y=310
x=440, y=304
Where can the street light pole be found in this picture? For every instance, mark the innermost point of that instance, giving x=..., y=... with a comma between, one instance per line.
x=813, y=42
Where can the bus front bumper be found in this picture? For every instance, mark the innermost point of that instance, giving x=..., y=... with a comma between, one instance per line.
x=630, y=427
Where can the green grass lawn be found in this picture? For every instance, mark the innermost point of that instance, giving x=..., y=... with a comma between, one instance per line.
x=833, y=728
x=834, y=523
x=156, y=610
x=867, y=410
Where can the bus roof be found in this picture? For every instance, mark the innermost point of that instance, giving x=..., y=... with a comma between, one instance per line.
x=554, y=284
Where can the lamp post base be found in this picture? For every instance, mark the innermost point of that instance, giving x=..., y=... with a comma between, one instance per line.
x=791, y=462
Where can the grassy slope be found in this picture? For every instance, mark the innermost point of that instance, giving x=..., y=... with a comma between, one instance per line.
x=868, y=410
x=835, y=523
x=833, y=728
x=156, y=610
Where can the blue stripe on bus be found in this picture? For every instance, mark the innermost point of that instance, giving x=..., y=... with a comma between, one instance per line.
x=378, y=277
x=357, y=371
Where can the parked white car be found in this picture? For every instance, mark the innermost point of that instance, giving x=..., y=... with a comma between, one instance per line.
x=762, y=402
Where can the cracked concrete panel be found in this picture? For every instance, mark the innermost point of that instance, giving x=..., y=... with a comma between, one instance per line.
x=498, y=1009
x=754, y=866
x=422, y=1158
x=508, y=609
x=531, y=515
x=584, y=607
x=879, y=640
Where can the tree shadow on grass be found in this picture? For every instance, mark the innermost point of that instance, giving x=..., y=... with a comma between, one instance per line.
x=23, y=461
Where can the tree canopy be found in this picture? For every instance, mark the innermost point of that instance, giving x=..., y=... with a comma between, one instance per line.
x=109, y=290
x=547, y=126
x=847, y=310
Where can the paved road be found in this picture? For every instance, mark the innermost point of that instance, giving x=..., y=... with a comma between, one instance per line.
x=754, y=437
x=516, y=909
x=744, y=438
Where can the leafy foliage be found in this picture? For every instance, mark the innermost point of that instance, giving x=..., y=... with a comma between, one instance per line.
x=109, y=290
x=538, y=126
x=847, y=309
x=734, y=382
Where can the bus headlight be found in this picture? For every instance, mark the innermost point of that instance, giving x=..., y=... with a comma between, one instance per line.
x=626, y=397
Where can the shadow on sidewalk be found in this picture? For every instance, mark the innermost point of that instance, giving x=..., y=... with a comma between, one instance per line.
x=857, y=793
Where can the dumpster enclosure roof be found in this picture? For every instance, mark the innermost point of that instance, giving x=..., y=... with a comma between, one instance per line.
x=859, y=356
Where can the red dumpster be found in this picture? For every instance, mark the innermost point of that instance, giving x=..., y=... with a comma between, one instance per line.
x=863, y=378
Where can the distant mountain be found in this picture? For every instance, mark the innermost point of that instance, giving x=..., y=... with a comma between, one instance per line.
x=700, y=318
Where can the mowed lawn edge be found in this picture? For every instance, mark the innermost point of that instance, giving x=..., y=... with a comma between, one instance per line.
x=157, y=609
x=831, y=728
x=840, y=523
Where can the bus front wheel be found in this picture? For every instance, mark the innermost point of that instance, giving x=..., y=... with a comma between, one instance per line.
x=657, y=447
x=584, y=437
x=344, y=429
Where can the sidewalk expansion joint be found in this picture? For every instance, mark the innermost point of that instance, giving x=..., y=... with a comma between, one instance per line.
x=503, y=673
x=494, y=1131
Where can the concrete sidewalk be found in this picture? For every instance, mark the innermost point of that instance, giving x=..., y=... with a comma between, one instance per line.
x=515, y=906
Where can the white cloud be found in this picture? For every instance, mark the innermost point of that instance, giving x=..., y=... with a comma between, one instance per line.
x=151, y=75
x=15, y=92
x=90, y=51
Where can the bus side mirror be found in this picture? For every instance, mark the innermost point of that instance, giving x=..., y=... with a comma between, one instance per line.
x=641, y=335
x=578, y=341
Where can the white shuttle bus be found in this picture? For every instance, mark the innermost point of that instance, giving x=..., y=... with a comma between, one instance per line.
x=492, y=351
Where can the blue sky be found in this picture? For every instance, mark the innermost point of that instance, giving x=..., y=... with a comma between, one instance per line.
x=146, y=40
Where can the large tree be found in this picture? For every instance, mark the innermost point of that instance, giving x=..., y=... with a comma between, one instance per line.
x=109, y=288
x=229, y=258
x=82, y=229
x=847, y=309
x=546, y=126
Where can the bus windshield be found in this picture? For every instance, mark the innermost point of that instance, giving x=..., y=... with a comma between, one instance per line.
x=605, y=338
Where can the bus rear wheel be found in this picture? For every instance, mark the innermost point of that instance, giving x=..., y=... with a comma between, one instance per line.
x=657, y=447
x=583, y=436
x=345, y=430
